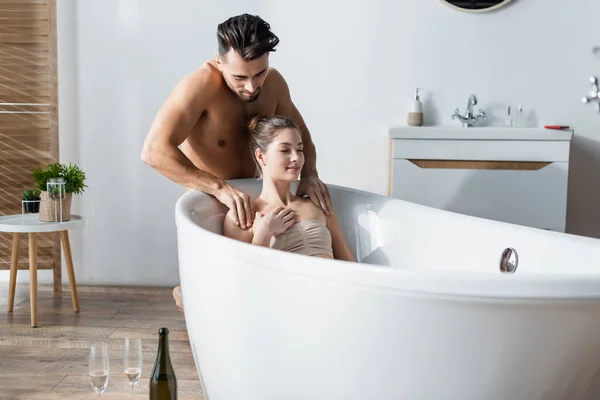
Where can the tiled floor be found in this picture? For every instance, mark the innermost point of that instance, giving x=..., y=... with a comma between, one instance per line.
x=50, y=361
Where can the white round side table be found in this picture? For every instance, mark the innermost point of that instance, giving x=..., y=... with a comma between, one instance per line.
x=31, y=224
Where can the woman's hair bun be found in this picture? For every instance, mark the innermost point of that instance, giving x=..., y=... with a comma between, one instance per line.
x=252, y=124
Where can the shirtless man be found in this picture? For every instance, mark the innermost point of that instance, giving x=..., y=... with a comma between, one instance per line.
x=197, y=138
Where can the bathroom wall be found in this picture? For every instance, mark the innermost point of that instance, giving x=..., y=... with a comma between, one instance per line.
x=352, y=67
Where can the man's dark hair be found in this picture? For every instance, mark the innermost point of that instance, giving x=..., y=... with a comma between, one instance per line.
x=249, y=35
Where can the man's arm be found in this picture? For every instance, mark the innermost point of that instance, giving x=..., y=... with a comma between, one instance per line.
x=171, y=127
x=310, y=184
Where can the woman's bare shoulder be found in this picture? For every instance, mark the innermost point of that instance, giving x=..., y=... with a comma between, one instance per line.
x=307, y=209
x=260, y=205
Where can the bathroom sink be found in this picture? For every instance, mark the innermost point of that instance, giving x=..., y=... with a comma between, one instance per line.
x=515, y=175
x=478, y=133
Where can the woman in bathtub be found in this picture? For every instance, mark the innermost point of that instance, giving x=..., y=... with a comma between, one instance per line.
x=284, y=221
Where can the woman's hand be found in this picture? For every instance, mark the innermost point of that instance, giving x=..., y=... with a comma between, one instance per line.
x=274, y=222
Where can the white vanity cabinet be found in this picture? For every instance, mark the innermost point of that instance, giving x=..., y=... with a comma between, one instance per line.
x=516, y=175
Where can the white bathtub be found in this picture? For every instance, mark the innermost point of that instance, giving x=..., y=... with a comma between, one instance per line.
x=435, y=319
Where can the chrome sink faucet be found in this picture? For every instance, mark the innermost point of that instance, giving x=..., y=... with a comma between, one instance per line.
x=594, y=96
x=469, y=119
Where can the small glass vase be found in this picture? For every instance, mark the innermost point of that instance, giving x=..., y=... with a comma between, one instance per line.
x=57, y=193
x=56, y=188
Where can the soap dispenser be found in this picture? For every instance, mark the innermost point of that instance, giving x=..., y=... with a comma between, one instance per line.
x=508, y=120
x=415, y=117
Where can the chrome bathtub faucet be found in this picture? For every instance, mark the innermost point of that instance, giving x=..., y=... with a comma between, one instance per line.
x=469, y=119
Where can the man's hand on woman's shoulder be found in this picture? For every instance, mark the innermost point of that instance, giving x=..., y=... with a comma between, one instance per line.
x=317, y=192
x=240, y=205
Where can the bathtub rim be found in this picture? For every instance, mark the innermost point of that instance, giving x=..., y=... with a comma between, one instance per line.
x=484, y=285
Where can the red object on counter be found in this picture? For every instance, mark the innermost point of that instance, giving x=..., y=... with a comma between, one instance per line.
x=556, y=126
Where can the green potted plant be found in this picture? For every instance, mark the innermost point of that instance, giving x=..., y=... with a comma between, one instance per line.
x=31, y=200
x=59, y=199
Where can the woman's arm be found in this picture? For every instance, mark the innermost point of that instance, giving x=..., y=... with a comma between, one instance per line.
x=231, y=230
x=341, y=250
x=263, y=229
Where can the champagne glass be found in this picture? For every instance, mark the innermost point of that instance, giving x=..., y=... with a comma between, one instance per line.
x=132, y=361
x=99, y=368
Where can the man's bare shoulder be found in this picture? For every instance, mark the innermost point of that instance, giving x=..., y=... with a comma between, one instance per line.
x=201, y=84
x=276, y=79
x=278, y=89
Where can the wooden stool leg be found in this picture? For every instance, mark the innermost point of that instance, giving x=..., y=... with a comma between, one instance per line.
x=57, y=278
x=64, y=235
x=57, y=274
x=14, y=264
x=33, y=277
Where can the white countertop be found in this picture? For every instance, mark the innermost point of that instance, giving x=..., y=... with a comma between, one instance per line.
x=477, y=133
x=29, y=223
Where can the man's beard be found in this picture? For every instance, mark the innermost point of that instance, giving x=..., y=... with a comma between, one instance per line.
x=250, y=99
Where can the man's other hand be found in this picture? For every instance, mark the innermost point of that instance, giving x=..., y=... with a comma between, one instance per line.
x=317, y=191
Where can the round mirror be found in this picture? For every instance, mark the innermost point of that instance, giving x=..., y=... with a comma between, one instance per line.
x=476, y=5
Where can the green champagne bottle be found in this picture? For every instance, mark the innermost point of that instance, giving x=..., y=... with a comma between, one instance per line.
x=163, y=384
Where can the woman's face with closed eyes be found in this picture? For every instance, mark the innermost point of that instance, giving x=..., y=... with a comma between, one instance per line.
x=284, y=157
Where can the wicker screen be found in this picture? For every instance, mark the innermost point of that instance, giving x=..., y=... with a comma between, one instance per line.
x=28, y=113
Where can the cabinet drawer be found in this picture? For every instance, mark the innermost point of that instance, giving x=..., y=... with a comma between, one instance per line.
x=502, y=150
x=535, y=196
